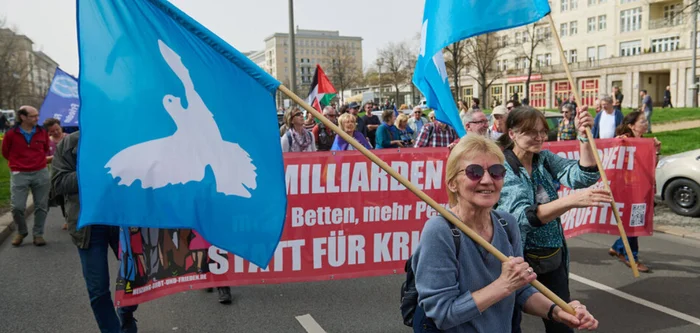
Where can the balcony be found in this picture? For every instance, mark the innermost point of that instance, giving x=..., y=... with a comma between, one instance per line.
x=665, y=23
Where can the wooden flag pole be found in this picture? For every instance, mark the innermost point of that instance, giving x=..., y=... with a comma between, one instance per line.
x=405, y=182
x=604, y=177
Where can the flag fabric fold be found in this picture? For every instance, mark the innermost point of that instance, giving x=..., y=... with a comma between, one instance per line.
x=322, y=91
x=162, y=142
x=449, y=21
x=62, y=100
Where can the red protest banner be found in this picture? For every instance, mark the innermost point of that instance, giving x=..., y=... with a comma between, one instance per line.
x=346, y=218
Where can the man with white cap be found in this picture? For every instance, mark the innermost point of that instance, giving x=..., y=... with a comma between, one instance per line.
x=499, y=121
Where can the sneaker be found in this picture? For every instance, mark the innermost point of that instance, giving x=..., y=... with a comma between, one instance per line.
x=39, y=241
x=17, y=241
x=224, y=295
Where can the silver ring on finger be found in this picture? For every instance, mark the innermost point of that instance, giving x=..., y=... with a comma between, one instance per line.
x=529, y=270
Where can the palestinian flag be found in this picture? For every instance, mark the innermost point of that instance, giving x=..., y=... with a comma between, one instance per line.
x=321, y=91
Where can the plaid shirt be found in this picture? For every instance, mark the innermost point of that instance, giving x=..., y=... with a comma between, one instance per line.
x=435, y=136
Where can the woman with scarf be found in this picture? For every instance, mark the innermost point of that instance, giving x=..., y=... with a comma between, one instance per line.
x=348, y=123
x=296, y=139
x=387, y=134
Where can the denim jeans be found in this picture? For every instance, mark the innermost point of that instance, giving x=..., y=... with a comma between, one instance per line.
x=95, y=264
x=634, y=246
x=648, y=113
x=20, y=184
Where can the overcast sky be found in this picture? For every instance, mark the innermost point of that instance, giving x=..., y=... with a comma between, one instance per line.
x=242, y=23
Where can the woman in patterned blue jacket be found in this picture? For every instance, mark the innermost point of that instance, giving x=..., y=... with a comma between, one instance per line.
x=530, y=194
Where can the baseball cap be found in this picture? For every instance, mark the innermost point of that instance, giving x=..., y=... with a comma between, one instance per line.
x=354, y=105
x=499, y=110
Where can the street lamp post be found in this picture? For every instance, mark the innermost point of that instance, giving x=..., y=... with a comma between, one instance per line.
x=694, y=45
x=292, y=50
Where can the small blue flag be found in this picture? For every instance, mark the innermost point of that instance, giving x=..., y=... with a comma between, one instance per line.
x=448, y=21
x=166, y=140
x=62, y=101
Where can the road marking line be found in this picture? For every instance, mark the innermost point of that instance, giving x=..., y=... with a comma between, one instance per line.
x=309, y=324
x=635, y=299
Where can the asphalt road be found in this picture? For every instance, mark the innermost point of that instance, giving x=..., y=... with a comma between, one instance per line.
x=42, y=290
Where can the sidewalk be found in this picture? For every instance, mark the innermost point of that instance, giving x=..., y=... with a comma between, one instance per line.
x=681, y=125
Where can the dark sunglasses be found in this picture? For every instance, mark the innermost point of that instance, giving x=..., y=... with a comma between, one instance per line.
x=475, y=172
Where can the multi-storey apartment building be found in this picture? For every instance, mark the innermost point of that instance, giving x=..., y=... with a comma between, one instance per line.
x=631, y=44
x=26, y=74
x=312, y=47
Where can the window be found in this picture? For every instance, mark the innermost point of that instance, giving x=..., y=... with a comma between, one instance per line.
x=574, y=4
x=517, y=38
x=573, y=28
x=591, y=24
x=504, y=40
x=622, y=2
x=631, y=19
x=563, y=28
x=573, y=56
x=592, y=2
x=602, y=24
x=590, y=54
x=672, y=14
x=539, y=33
x=540, y=60
x=602, y=52
x=630, y=48
x=665, y=44
x=505, y=64
x=526, y=36
x=564, y=5
x=548, y=59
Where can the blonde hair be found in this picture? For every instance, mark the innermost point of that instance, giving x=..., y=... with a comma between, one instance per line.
x=346, y=118
x=469, y=146
x=402, y=118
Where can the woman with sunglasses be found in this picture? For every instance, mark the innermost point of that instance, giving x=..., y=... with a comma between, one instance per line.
x=296, y=139
x=530, y=194
x=461, y=287
x=567, y=125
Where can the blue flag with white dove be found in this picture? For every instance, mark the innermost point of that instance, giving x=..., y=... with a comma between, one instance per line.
x=449, y=21
x=166, y=139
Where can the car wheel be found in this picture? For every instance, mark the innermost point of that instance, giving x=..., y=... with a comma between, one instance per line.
x=683, y=197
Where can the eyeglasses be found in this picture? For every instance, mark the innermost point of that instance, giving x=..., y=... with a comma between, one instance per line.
x=535, y=134
x=482, y=122
x=475, y=172
x=297, y=114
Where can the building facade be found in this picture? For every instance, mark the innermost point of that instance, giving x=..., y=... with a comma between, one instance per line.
x=630, y=44
x=26, y=74
x=312, y=47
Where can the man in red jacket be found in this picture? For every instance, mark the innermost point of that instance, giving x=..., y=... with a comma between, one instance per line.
x=25, y=147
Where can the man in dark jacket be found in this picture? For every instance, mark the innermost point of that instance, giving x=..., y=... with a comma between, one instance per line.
x=93, y=242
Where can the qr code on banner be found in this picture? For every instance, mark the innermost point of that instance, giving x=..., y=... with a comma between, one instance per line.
x=639, y=214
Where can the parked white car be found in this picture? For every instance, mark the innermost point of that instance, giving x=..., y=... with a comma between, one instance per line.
x=677, y=182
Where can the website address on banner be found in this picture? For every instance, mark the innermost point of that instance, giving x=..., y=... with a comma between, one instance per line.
x=320, y=216
x=169, y=282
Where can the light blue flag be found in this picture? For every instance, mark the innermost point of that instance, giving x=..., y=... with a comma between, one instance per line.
x=167, y=137
x=449, y=21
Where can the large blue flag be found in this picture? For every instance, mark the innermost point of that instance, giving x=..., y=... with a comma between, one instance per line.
x=167, y=140
x=449, y=21
x=62, y=101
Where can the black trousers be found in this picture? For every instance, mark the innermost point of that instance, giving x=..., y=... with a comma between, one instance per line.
x=558, y=282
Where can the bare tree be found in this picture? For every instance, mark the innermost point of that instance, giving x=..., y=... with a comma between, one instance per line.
x=481, y=52
x=14, y=68
x=533, y=37
x=395, y=58
x=344, y=72
x=456, y=62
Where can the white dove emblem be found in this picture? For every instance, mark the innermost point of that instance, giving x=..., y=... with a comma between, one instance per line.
x=184, y=156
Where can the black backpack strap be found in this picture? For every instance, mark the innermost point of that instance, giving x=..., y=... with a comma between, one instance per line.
x=504, y=224
x=455, y=234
